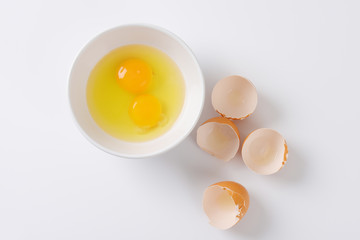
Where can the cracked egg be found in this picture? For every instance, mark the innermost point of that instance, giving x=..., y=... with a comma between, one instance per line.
x=220, y=137
x=265, y=151
x=234, y=97
x=225, y=204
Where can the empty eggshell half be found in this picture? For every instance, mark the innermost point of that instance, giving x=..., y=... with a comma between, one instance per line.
x=220, y=137
x=225, y=203
x=234, y=97
x=264, y=151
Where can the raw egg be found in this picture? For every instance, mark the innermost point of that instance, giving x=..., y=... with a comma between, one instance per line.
x=265, y=151
x=135, y=93
x=135, y=75
x=220, y=137
x=234, y=97
x=225, y=204
x=145, y=111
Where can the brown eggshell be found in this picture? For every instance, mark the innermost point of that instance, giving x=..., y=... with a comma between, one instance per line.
x=220, y=137
x=264, y=151
x=225, y=203
x=234, y=97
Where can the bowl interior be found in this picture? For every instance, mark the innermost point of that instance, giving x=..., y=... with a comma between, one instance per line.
x=136, y=34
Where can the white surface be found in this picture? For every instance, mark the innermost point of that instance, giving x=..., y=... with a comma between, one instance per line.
x=149, y=35
x=303, y=57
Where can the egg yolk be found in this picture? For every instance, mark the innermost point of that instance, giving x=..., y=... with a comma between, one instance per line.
x=145, y=111
x=135, y=75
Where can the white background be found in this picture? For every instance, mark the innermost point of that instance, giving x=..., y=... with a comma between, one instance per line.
x=303, y=57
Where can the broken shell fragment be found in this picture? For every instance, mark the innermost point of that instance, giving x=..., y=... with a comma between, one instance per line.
x=225, y=204
x=220, y=137
x=234, y=97
x=264, y=151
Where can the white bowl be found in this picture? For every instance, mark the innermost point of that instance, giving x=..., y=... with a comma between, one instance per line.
x=151, y=36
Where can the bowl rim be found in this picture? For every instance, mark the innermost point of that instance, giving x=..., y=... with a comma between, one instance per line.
x=170, y=146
